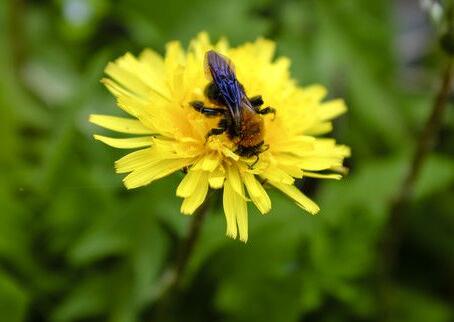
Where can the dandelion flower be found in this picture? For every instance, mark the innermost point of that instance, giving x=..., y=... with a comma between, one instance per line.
x=170, y=135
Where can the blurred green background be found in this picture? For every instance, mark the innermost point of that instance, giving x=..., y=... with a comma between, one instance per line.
x=76, y=246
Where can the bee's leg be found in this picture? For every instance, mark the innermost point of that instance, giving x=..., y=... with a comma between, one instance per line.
x=251, y=166
x=222, y=127
x=264, y=148
x=207, y=111
x=268, y=110
x=256, y=101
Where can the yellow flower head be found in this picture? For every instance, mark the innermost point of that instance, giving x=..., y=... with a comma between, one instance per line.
x=171, y=135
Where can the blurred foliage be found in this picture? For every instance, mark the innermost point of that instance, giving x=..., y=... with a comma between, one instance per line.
x=75, y=246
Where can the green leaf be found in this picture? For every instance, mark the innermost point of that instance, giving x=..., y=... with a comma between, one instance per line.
x=13, y=299
x=412, y=305
x=87, y=298
x=437, y=175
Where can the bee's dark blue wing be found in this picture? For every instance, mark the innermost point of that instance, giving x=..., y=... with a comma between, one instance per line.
x=222, y=72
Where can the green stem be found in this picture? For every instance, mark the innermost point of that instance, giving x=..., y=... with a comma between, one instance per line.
x=391, y=241
x=16, y=17
x=188, y=245
x=170, y=282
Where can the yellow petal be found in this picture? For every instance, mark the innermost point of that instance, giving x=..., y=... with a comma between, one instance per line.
x=233, y=177
x=152, y=59
x=192, y=202
x=277, y=175
x=320, y=128
x=156, y=170
x=189, y=183
x=293, y=171
x=119, y=124
x=209, y=162
x=257, y=193
x=331, y=109
x=136, y=102
x=116, y=89
x=152, y=76
x=301, y=200
x=325, y=155
x=322, y=176
x=200, y=45
x=230, y=154
x=319, y=163
x=160, y=150
x=217, y=178
x=342, y=170
x=175, y=57
x=265, y=50
x=128, y=80
x=135, y=160
x=300, y=142
x=343, y=150
x=229, y=199
x=315, y=92
x=129, y=143
x=235, y=210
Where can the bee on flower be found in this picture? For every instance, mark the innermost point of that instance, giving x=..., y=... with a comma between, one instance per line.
x=232, y=117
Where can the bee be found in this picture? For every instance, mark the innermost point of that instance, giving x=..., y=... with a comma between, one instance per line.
x=240, y=116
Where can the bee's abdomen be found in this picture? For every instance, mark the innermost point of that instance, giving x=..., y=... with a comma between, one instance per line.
x=252, y=131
